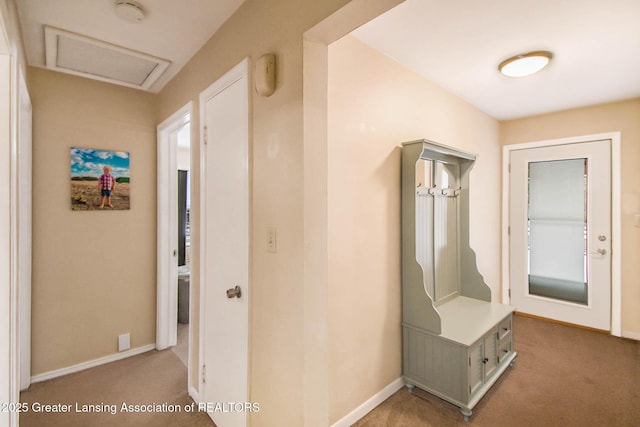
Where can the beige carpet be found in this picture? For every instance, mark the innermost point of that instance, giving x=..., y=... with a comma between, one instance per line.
x=153, y=377
x=563, y=377
x=181, y=349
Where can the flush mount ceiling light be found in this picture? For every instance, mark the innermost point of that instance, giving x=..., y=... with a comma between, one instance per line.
x=525, y=64
x=129, y=10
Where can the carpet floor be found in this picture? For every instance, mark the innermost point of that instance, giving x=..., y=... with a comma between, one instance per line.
x=563, y=376
x=155, y=377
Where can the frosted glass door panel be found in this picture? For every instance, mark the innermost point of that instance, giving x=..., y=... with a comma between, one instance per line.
x=557, y=229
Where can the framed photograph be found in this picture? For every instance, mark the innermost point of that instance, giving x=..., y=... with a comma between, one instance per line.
x=99, y=179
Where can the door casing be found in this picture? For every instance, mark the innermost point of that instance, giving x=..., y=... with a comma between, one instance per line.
x=167, y=234
x=24, y=228
x=616, y=248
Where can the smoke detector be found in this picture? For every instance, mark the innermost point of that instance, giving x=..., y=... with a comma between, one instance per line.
x=129, y=10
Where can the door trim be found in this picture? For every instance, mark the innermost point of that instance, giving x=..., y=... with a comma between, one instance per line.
x=616, y=219
x=167, y=229
x=24, y=226
x=9, y=320
x=167, y=224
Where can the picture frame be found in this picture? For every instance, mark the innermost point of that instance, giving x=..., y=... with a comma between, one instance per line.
x=100, y=179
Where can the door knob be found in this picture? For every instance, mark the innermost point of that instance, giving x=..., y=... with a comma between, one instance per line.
x=600, y=251
x=234, y=292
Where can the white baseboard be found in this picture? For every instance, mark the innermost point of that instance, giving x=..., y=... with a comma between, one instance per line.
x=375, y=400
x=631, y=335
x=91, y=364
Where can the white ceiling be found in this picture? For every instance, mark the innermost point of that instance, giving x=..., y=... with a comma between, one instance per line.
x=172, y=29
x=458, y=45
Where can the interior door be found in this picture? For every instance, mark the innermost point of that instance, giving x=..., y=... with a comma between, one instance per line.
x=225, y=251
x=560, y=232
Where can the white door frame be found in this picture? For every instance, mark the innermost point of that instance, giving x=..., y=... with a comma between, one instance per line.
x=167, y=233
x=9, y=181
x=616, y=219
x=238, y=72
x=24, y=228
x=8, y=328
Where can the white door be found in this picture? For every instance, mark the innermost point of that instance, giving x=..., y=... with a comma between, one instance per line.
x=225, y=247
x=560, y=232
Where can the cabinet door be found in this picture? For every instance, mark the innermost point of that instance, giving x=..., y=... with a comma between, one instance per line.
x=476, y=376
x=483, y=360
x=490, y=350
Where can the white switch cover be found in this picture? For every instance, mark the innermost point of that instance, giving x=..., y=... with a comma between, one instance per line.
x=124, y=342
x=271, y=240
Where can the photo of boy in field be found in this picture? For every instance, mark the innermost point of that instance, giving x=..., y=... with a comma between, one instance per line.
x=99, y=179
x=107, y=185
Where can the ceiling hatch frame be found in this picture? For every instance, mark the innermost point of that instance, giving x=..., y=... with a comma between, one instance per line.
x=83, y=56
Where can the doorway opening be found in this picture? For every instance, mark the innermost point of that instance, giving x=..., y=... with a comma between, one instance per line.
x=183, y=136
x=174, y=234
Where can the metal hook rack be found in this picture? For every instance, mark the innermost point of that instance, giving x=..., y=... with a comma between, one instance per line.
x=435, y=191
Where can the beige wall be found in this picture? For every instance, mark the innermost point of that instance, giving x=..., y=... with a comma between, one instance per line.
x=619, y=116
x=93, y=271
x=374, y=105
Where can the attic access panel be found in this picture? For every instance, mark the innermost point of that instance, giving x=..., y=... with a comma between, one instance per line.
x=86, y=57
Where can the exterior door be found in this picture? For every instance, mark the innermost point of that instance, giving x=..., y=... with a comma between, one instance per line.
x=225, y=246
x=560, y=232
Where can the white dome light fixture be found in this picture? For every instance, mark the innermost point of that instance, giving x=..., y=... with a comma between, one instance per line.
x=130, y=11
x=525, y=64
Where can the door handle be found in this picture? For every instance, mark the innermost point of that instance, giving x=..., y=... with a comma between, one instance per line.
x=234, y=292
x=600, y=251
